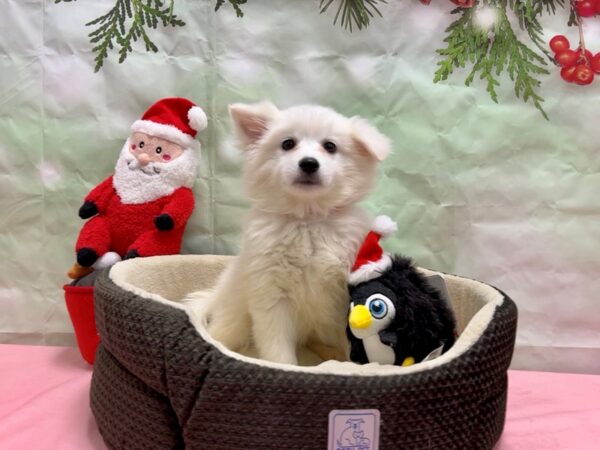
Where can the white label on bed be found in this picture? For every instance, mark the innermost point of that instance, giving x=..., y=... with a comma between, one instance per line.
x=354, y=429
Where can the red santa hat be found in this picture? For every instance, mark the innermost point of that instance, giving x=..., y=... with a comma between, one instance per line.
x=371, y=260
x=175, y=119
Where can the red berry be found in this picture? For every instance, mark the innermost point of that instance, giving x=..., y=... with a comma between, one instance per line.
x=586, y=8
x=559, y=43
x=588, y=55
x=568, y=73
x=595, y=62
x=583, y=74
x=567, y=58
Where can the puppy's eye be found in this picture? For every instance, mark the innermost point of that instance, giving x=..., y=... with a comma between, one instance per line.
x=141, y=144
x=158, y=150
x=329, y=146
x=288, y=144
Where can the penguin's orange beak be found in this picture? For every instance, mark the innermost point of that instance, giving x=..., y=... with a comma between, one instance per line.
x=360, y=317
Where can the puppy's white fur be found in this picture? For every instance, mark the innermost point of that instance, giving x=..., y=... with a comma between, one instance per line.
x=288, y=287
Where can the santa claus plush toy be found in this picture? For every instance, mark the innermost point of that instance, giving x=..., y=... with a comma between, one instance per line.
x=143, y=208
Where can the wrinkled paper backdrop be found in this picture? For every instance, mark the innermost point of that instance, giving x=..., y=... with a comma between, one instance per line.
x=488, y=191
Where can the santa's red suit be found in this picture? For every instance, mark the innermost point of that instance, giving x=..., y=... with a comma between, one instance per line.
x=130, y=229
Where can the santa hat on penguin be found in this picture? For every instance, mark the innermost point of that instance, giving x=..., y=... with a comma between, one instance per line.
x=371, y=260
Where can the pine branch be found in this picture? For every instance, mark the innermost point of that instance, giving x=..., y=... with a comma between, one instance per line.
x=356, y=13
x=125, y=23
x=527, y=12
x=548, y=5
x=236, y=6
x=492, y=53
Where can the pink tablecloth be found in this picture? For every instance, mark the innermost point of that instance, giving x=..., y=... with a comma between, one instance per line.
x=44, y=405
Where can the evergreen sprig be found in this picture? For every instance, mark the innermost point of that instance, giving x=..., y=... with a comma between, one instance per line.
x=125, y=23
x=356, y=13
x=236, y=6
x=492, y=52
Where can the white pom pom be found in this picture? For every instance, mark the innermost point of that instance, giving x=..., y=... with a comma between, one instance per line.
x=384, y=225
x=197, y=119
x=106, y=260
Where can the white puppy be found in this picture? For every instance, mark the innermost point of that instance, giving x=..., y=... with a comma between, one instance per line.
x=306, y=168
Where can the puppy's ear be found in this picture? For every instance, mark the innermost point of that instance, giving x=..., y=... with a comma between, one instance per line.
x=369, y=139
x=251, y=121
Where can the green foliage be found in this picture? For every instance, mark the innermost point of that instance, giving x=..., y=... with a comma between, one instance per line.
x=126, y=22
x=353, y=12
x=129, y=20
x=499, y=49
x=236, y=6
x=488, y=53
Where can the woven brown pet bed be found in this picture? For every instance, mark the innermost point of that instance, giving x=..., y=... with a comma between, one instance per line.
x=160, y=382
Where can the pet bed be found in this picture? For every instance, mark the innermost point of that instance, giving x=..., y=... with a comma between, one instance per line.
x=161, y=382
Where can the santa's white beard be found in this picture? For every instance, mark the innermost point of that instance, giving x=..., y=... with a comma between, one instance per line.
x=137, y=184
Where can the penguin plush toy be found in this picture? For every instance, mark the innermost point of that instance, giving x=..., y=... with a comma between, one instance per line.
x=397, y=315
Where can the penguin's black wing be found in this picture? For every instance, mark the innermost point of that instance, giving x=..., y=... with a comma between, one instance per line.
x=389, y=338
x=357, y=349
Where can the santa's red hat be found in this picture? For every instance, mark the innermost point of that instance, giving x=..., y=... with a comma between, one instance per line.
x=371, y=260
x=175, y=119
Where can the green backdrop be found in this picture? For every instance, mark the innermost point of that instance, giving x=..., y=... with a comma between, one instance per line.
x=489, y=191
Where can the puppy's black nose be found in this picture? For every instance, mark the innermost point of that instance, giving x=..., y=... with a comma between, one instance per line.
x=309, y=165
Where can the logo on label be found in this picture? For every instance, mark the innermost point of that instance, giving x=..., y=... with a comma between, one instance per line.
x=354, y=429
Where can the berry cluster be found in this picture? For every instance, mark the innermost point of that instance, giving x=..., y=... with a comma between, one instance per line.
x=578, y=66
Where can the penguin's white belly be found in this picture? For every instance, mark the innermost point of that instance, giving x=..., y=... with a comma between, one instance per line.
x=377, y=351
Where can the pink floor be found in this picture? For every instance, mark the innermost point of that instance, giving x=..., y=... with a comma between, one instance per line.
x=44, y=405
